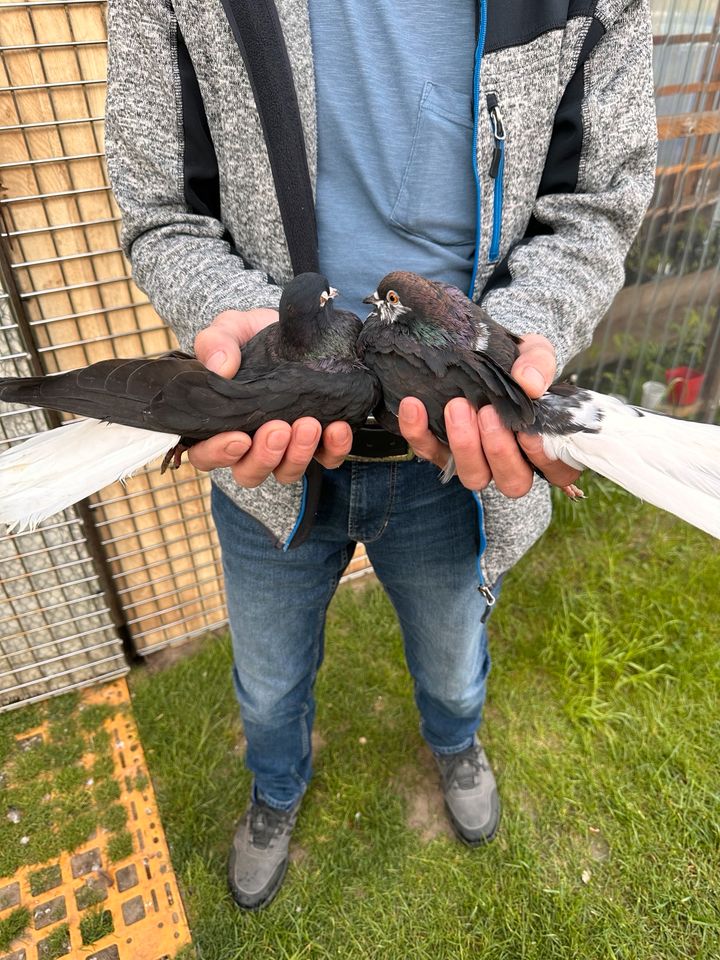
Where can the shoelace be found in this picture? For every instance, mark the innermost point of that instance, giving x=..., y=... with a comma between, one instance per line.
x=266, y=823
x=463, y=768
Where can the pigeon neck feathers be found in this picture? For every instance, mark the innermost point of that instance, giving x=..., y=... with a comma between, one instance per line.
x=310, y=330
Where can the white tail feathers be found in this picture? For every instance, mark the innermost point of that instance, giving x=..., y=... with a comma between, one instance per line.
x=673, y=464
x=56, y=469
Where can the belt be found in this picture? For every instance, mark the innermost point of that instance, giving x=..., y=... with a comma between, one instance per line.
x=373, y=444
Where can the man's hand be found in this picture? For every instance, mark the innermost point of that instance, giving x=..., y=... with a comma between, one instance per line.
x=483, y=448
x=277, y=447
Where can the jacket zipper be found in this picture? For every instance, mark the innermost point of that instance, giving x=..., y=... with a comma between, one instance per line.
x=497, y=173
x=479, y=50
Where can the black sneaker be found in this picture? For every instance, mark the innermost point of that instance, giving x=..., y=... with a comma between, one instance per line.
x=470, y=793
x=259, y=854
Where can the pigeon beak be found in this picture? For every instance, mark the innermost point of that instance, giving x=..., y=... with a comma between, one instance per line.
x=327, y=295
x=373, y=299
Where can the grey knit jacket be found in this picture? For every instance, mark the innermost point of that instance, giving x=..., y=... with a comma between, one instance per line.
x=202, y=226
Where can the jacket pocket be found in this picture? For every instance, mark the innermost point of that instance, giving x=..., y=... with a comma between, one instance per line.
x=436, y=199
x=497, y=174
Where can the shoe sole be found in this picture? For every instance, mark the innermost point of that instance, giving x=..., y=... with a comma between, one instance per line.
x=247, y=904
x=479, y=841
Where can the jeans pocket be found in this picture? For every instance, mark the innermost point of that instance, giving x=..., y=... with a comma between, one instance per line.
x=436, y=199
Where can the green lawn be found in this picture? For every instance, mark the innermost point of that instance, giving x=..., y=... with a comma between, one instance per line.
x=603, y=727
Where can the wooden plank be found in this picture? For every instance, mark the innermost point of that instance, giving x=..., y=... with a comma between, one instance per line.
x=689, y=125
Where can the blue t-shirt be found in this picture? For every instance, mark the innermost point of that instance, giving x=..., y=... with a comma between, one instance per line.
x=395, y=187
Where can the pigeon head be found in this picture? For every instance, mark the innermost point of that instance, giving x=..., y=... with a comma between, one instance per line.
x=422, y=308
x=310, y=326
x=306, y=298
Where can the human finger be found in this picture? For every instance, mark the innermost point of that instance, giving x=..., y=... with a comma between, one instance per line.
x=536, y=365
x=413, y=422
x=268, y=448
x=217, y=347
x=336, y=443
x=555, y=471
x=510, y=471
x=304, y=438
x=222, y=450
x=463, y=433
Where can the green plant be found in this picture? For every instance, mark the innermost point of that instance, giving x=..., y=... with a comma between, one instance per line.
x=56, y=944
x=95, y=925
x=13, y=926
x=119, y=846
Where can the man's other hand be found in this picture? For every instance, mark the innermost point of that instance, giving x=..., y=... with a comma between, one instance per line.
x=483, y=448
x=277, y=447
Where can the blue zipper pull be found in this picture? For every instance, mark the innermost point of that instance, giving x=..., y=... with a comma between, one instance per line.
x=498, y=129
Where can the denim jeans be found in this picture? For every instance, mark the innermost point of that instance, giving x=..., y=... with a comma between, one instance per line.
x=422, y=538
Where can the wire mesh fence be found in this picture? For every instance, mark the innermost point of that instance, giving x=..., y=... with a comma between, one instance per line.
x=660, y=343
x=56, y=628
x=141, y=563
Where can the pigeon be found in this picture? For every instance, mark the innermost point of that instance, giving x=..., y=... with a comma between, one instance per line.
x=139, y=409
x=426, y=339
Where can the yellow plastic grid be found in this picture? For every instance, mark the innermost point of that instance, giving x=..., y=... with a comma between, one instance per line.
x=140, y=891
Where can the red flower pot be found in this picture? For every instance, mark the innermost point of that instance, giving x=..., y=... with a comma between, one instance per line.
x=684, y=385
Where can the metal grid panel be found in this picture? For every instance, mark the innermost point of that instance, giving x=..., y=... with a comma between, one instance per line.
x=56, y=630
x=62, y=230
x=664, y=327
x=61, y=227
x=136, y=888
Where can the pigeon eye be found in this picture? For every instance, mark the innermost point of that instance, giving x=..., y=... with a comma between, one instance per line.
x=392, y=297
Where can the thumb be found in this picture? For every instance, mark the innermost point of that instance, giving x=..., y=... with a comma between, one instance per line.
x=218, y=350
x=536, y=366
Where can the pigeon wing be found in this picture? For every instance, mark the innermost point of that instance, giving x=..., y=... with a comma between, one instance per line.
x=437, y=375
x=201, y=405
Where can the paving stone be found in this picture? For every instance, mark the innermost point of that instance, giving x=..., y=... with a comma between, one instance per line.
x=15, y=955
x=83, y=863
x=49, y=912
x=9, y=896
x=126, y=878
x=133, y=910
x=27, y=743
x=92, y=892
x=107, y=953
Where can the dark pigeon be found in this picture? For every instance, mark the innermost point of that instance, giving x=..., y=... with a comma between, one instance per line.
x=305, y=365
x=428, y=340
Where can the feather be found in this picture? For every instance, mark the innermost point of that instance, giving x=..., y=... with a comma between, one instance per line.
x=673, y=464
x=53, y=470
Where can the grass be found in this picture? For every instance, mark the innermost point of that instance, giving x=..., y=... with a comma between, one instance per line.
x=119, y=846
x=45, y=879
x=602, y=726
x=13, y=926
x=95, y=925
x=56, y=944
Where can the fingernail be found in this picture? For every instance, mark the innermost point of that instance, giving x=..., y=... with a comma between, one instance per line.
x=533, y=380
x=307, y=434
x=237, y=448
x=216, y=361
x=277, y=440
x=409, y=411
x=459, y=414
